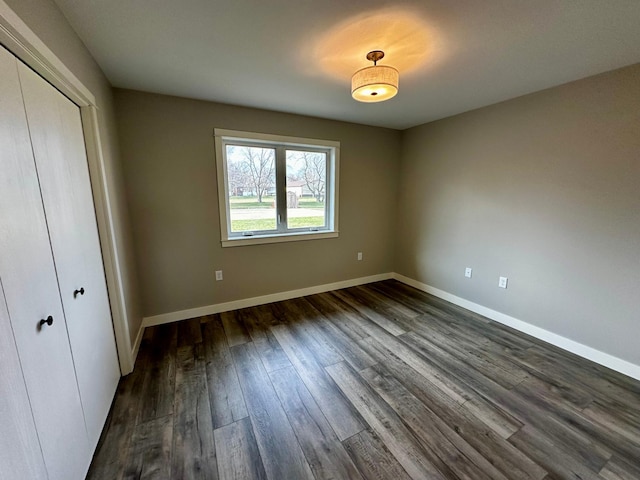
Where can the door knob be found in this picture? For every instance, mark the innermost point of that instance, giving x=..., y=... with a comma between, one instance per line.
x=48, y=321
x=76, y=292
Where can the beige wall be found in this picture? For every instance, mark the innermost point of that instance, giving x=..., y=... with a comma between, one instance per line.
x=543, y=189
x=169, y=165
x=45, y=19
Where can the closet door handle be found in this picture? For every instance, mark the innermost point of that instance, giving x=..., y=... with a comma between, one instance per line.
x=76, y=292
x=48, y=321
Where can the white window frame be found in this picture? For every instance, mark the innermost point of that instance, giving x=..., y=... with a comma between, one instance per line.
x=280, y=143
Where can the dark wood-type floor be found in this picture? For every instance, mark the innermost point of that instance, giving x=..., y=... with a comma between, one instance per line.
x=373, y=382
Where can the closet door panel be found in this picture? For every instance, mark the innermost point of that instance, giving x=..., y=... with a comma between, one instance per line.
x=20, y=455
x=58, y=145
x=31, y=292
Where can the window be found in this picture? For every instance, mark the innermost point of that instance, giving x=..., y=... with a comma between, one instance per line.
x=276, y=189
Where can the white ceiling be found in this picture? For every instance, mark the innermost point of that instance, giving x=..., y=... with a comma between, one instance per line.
x=298, y=55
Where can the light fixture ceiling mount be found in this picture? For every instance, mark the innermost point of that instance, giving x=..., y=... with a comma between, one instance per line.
x=375, y=55
x=375, y=84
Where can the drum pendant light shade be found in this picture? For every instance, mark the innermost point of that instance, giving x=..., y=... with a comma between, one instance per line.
x=375, y=84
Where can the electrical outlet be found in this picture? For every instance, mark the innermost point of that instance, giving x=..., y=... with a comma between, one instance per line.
x=467, y=272
x=218, y=275
x=502, y=282
x=359, y=256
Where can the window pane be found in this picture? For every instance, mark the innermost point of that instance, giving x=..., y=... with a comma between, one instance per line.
x=251, y=177
x=306, y=189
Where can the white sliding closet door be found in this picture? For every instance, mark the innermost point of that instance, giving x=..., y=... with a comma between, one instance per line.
x=19, y=451
x=58, y=145
x=31, y=292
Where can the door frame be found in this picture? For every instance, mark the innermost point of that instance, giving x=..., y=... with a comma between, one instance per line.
x=18, y=38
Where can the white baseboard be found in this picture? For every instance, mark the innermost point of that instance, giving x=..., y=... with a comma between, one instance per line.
x=614, y=363
x=254, y=301
x=136, y=347
x=602, y=358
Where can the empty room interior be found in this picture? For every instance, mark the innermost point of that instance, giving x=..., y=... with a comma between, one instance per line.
x=293, y=240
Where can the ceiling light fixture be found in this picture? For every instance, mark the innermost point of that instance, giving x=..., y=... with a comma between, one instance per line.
x=375, y=84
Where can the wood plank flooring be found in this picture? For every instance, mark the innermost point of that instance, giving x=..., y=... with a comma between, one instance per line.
x=374, y=382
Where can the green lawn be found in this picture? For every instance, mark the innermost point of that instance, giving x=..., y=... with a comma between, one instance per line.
x=267, y=202
x=270, y=224
x=309, y=202
x=251, y=202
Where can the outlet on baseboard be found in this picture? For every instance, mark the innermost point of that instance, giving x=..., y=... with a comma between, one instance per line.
x=218, y=275
x=502, y=282
x=467, y=272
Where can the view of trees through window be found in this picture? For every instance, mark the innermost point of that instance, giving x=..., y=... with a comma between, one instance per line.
x=306, y=184
x=251, y=177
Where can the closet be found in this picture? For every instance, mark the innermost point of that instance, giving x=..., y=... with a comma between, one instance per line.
x=58, y=359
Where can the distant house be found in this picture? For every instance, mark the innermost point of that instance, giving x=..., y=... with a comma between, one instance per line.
x=299, y=187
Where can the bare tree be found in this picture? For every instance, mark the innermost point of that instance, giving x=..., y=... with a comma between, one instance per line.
x=255, y=168
x=237, y=178
x=314, y=173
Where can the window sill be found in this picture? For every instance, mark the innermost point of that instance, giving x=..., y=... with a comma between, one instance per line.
x=285, y=237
